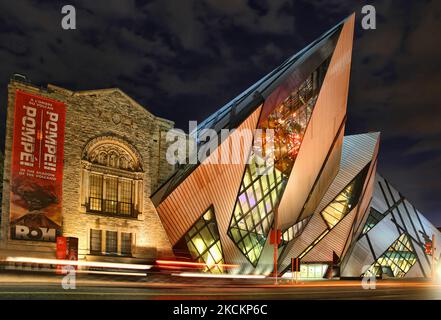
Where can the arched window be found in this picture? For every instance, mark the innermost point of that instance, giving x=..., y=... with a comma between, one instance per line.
x=112, y=178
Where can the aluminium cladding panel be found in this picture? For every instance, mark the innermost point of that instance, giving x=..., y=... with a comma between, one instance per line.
x=403, y=212
x=407, y=218
x=373, y=245
x=309, y=60
x=315, y=227
x=415, y=272
x=359, y=260
x=383, y=234
x=404, y=219
x=358, y=150
x=327, y=117
x=362, y=208
x=266, y=261
x=378, y=202
x=325, y=178
x=292, y=72
x=365, y=199
x=334, y=241
x=209, y=184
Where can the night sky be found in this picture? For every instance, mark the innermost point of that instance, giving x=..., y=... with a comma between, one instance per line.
x=185, y=59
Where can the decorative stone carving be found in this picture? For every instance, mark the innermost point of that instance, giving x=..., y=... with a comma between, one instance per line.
x=113, y=152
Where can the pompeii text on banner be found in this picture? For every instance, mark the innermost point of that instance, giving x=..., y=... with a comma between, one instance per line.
x=37, y=168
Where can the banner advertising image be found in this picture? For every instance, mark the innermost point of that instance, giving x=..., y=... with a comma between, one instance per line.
x=37, y=168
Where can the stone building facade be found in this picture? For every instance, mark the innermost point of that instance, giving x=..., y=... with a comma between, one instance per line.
x=114, y=157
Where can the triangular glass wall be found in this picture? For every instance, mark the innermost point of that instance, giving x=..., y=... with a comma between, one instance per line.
x=294, y=231
x=262, y=188
x=202, y=243
x=340, y=206
x=345, y=201
x=298, y=67
x=374, y=217
x=396, y=261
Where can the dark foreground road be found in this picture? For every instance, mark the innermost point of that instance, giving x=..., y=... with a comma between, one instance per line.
x=49, y=287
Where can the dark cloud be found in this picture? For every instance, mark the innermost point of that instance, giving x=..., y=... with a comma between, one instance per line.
x=184, y=59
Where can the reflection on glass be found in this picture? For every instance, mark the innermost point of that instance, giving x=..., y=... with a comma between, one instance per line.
x=374, y=217
x=260, y=193
x=396, y=261
x=340, y=206
x=203, y=243
x=294, y=231
x=344, y=202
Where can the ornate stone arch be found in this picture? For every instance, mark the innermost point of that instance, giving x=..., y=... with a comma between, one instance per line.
x=112, y=178
x=112, y=151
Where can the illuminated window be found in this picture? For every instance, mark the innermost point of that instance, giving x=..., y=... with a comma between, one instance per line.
x=95, y=241
x=126, y=243
x=111, y=176
x=396, y=261
x=345, y=201
x=313, y=271
x=294, y=231
x=262, y=186
x=374, y=217
x=202, y=243
x=111, y=242
x=125, y=196
x=110, y=195
x=96, y=192
x=342, y=204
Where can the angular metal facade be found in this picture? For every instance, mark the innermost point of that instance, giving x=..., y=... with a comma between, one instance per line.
x=332, y=208
x=320, y=240
x=391, y=217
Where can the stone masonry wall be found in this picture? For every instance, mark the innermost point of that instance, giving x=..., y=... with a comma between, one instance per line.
x=91, y=114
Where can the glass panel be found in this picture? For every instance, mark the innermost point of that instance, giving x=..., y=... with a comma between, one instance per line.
x=289, y=121
x=345, y=201
x=203, y=242
x=95, y=192
x=111, y=195
x=126, y=243
x=111, y=188
x=95, y=241
x=399, y=257
x=111, y=242
x=294, y=231
x=125, y=197
x=125, y=191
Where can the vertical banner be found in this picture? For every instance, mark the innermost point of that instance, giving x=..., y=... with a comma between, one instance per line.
x=37, y=168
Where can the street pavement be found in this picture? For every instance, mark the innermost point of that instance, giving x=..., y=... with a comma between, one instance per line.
x=49, y=287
